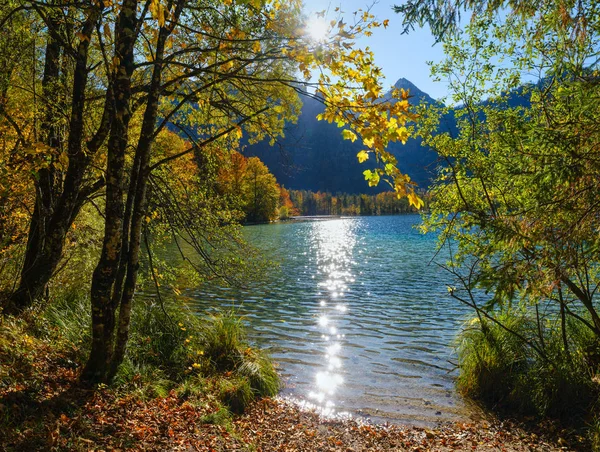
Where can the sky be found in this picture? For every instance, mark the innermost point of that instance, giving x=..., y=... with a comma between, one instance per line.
x=397, y=54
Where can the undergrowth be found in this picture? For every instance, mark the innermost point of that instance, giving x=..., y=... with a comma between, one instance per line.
x=170, y=349
x=503, y=371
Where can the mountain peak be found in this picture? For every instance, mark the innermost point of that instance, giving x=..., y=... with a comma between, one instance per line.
x=414, y=92
x=405, y=84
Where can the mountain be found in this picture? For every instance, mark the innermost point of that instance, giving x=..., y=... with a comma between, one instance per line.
x=415, y=93
x=313, y=155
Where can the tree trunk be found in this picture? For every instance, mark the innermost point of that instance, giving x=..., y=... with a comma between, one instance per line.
x=103, y=279
x=137, y=193
x=55, y=212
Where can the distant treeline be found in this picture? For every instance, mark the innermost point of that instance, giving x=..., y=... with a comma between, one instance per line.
x=319, y=203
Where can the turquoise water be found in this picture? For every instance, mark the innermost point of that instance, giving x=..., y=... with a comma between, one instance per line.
x=357, y=317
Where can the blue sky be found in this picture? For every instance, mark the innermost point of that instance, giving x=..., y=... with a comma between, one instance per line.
x=397, y=54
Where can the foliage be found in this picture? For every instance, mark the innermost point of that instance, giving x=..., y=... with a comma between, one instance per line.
x=171, y=348
x=116, y=77
x=165, y=337
x=224, y=344
x=224, y=340
x=249, y=185
x=42, y=406
x=496, y=366
x=68, y=317
x=236, y=394
x=386, y=203
x=260, y=191
x=286, y=206
x=516, y=202
x=189, y=211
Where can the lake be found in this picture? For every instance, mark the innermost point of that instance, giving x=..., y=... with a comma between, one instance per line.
x=357, y=317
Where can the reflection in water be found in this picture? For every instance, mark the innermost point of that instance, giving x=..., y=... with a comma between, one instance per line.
x=333, y=245
x=356, y=319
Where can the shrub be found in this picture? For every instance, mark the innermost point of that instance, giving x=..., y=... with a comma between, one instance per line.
x=224, y=344
x=164, y=336
x=489, y=357
x=260, y=372
x=500, y=369
x=170, y=348
x=68, y=320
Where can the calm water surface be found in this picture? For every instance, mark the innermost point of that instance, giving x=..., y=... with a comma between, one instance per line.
x=357, y=317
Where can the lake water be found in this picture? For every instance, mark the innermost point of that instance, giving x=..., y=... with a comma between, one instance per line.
x=357, y=317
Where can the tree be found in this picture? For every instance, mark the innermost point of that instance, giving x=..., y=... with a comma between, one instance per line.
x=517, y=201
x=286, y=206
x=260, y=191
x=116, y=75
x=61, y=180
x=16, y=125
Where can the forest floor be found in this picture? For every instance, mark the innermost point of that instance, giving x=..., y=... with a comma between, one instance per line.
x=43, y=407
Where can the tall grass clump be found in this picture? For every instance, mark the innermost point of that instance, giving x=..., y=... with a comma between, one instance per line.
x=489, y=359
x=500, y=366
x=165, y=337
x=67, y=320
x=224, y=340
x=224, y=344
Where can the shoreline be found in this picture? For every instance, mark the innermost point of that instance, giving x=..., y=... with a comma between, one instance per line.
x=277, y=424
x=51, y=410
x=309, y=218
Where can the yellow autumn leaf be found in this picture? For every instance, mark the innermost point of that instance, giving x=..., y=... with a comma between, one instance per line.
x=349, y=135
x=362, y=156
x=370, y=142
x=414, y=200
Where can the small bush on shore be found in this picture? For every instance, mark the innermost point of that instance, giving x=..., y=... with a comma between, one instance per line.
x=166, y=337
x=224, y=344
x=258, y=369
x=489, y=360
x=223, y=340
x=502, y=370
x=236, y=394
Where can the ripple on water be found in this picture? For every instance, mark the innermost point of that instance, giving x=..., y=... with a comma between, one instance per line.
x=356, y=318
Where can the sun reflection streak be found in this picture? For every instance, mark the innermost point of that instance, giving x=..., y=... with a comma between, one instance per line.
x=335, y=242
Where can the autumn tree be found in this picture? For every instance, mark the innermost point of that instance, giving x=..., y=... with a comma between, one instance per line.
x=17, y=60
x=235, y=60
x=260, y=191
x=286, y=206
x=52, y=132
x=116, y=75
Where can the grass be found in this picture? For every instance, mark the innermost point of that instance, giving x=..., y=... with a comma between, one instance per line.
x=236, y=394
x=170, y=348
x=174, y=356
x=502, y=371
x=223, y=341
x=251, y=373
